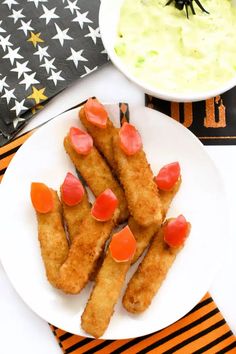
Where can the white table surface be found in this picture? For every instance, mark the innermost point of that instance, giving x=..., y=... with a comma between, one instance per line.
x=24, y=332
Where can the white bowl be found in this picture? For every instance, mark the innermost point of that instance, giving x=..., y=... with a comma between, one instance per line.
x=108, y=21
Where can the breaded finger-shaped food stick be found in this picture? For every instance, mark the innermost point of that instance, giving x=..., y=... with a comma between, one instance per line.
x=97, y=174
x=143, y=235
x=167, y=196
x=53, y=241
x=100, y=306
x=73, y=218
x=74, y=215
x=150, y=274
x=102, y=137
x=84, y=252
x=111, y=276
x=140, y=190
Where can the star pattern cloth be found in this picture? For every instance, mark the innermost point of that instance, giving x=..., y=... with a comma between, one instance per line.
x=44, y=46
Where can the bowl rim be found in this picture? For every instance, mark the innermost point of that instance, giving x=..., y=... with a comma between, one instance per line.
x=150, y=89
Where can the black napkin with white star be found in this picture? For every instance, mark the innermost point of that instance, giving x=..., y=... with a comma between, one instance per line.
x=44, y=46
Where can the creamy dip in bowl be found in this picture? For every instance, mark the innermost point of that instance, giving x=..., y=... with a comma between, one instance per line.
x=169, y=55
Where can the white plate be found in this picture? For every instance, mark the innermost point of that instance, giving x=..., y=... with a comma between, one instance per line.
x=201, y=199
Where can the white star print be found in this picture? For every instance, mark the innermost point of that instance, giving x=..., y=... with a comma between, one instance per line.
x=29, y=80
x=94, y=34
x=13, y=54
x=88, y=71
x=17, y=120
x=4, y=42
x=36, y=2
x=81, y=19
x=16, y=15
x=76, y=56
x=72, y=6
x=49, y=14
x=19, y=106
x=62, y=35
x=3, y=84
x=42, y=52
x=1, y=29
x=9, y=3
x=26, y=27
x=8, y=95
x=21, y=68
x=56, y=77
x=48, y=64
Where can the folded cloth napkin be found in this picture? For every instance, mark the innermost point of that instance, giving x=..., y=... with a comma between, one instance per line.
x=203, y=329
x=44, y=46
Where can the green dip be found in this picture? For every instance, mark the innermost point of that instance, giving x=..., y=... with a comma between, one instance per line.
x=168, y=51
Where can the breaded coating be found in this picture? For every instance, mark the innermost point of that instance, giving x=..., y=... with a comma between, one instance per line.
x=102, y=137
x=140, y=190
x=100, y=306
x=143, y=235
x=97, y=175
x=150, y=274
x=53, y=241
x=74, y=215
x=167, y=196
x=73, y=218
x=111, y=276
x=97, y=265
x=84, y=252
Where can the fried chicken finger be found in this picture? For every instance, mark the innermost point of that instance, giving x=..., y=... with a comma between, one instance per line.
x=102, y=137
x=100, y=306
x=53, y=241
x=111, y=276
x=150, y=274
x=84, y=252
x=74, y=215
x=143, y=235
x=140, y=190
x=97, y=175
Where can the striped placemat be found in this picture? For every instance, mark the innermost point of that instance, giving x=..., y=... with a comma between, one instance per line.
x=202, y=330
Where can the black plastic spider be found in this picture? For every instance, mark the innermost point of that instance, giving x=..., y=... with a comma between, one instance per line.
x=180, y=4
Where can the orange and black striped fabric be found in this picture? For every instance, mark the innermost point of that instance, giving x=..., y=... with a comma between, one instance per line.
x=202, y=330
x=8, y=151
